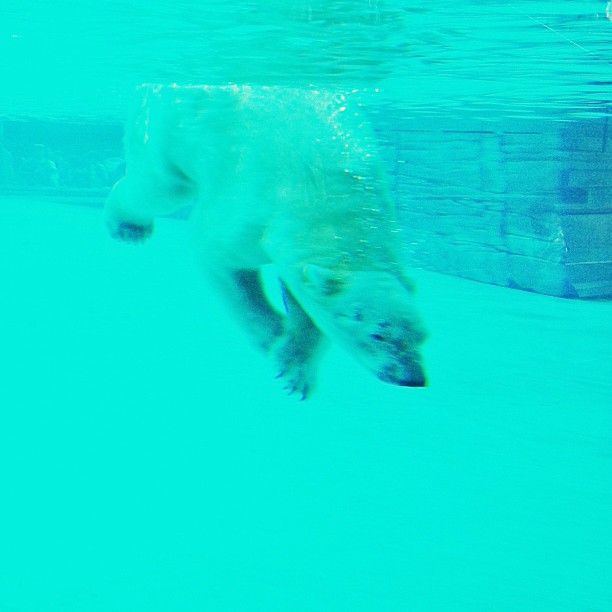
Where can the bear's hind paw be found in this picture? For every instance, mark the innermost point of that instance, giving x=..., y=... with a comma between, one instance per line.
x=132, y=232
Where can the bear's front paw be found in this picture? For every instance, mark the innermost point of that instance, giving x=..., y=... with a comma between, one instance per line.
x=295, y=367
x=132, y=232
x=295, y=382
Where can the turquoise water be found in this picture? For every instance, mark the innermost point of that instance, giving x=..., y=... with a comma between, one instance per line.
x=150, y=461
x=82, y=58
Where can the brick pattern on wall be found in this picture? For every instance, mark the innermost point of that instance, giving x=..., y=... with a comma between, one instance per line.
x=518, y=203
x=525, y=204
x=47, y=157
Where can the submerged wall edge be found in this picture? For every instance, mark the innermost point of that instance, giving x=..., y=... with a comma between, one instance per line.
x=521, y=203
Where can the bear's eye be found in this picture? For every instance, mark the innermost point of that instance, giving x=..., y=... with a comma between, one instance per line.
x=377, y=337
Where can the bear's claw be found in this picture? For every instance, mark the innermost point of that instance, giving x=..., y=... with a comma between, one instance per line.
x=294, y=386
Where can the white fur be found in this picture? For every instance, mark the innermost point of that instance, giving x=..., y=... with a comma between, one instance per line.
x=288, y=177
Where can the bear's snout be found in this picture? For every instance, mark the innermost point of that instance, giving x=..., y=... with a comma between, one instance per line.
x=404, y=374
x=417, y=380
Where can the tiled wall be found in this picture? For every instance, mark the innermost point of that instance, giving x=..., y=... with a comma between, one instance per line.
x=60, y=157
x=525, y=204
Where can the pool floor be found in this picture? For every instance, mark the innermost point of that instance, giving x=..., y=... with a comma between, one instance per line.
x=150, y=461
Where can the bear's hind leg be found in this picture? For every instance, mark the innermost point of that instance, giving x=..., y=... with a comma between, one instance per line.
x=123, y=222
x=140, y=196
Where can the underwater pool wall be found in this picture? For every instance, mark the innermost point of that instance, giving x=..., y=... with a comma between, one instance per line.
x=78, y=160
x=522, y=203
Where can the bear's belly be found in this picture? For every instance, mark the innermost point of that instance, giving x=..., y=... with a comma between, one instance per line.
x=224, y=241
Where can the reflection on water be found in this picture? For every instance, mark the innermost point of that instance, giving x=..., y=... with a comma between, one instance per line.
x=83, y=58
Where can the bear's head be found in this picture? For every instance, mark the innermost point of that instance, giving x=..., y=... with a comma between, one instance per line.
x=372, y=314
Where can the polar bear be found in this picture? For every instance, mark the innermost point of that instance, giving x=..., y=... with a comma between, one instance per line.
x=283, y=176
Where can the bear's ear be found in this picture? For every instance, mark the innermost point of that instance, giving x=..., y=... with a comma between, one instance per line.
x=325, y=281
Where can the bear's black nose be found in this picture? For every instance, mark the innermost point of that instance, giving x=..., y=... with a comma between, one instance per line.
x=416, y=378
x=420, y=382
